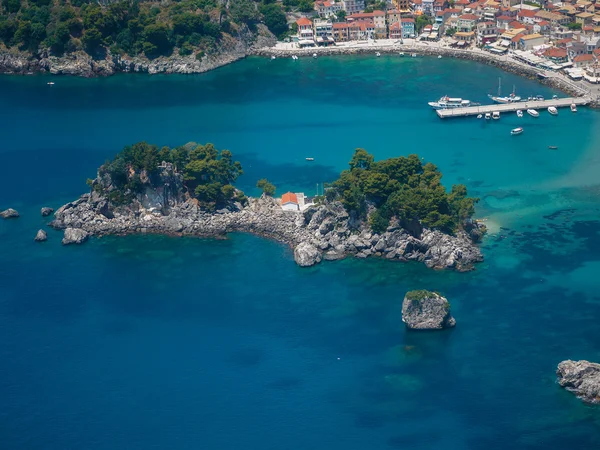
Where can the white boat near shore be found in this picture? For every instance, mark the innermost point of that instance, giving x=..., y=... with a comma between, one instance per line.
x=449, y=103
x=519, y=113
x=516, y=131
x=552, y=110
x=488, y=116
x=573, y=107
x=496, y=115
x=533, y=113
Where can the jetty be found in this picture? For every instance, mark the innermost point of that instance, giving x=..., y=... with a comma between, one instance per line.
x=507, y=107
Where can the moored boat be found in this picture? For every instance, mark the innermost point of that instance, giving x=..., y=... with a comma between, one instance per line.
x=552, y=147
x=479, y=116
x=533, y=113
x=378, y=54
x=496, y=115
x=516, y=131
x=573, y=107
x=552, y=110
x=519, y=113
x=310, y=159
x=449, y=102
x=512, y=98
x=488, y=116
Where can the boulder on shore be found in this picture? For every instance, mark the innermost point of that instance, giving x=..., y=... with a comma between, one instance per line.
x=9, y=214
x=425, y=310
x=582, y=378
x=74, y=236
x=41, y=236
x=46, y=211
x=306, y=255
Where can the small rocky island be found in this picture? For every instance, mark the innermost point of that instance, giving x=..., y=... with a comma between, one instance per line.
x=396, y=209
x=425, y=310
x=582, y=378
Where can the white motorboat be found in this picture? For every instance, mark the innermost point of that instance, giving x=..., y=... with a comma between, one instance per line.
x=573, y=107
x=519, y=113
x=50, y=83
x=414, y=55
x=439, y=56
x=552, y=110
x=516, y=131
x=479, y=116
x=401, y=53
x=273, y=57
x=533, y=113
x=488, y=116
x=315, y=55
x=496, y=115
x=310, y=159
x=294, y=57
x=378, y=54
x=449, y=102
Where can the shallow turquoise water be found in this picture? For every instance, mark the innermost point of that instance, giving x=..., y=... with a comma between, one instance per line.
x=149, y=342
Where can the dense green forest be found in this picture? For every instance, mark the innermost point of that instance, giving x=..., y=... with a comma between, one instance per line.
x=403, y=188
x=208, y=173
x=132, y=27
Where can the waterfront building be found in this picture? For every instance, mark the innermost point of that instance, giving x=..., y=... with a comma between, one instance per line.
x=395, y=31
x=408, y=27
x=305, y=31
x=353, y=6
x=529, y=41
x=380, y=24
x=487, y=32
x=393, y=16
x=323, y=29
x=464, y=37
x=583, y=60
x=361, y=17
x=340, y=32
x=289, y=202
x=556, y=55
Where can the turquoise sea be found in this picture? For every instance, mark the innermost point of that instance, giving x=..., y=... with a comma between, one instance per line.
x=150, y=342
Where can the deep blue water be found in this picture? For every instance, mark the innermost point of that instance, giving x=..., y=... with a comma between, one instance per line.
x=150, y=342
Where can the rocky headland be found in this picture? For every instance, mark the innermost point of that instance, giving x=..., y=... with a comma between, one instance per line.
x=80, y=63
x=323, y=232
x=425, y=310
x=582, y=378
x=164, y=203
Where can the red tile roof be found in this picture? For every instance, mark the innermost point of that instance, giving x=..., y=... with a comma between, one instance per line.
x=583, y=58
x=468, y=17
x=289, y=197
x=526, y=13
x=340, y=25
x=303, y=21
x=516, y=24
x=504, y=18
x=378, y=13
x=407, y=20
x=556, y=53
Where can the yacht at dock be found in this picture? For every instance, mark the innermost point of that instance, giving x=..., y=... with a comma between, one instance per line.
x=449, y=102
x=533, y=113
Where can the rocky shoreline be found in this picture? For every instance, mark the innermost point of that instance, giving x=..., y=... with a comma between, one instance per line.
x=229, y=50
x=582, y=378
x=324, y=232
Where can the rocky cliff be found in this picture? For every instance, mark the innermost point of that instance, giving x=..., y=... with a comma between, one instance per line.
x=582, y=378
x=229, y=49
x=424, y=310
x=324, y=232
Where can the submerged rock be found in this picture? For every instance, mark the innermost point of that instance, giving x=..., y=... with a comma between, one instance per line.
x=41, y=236
x=424, y=310
x=9, y=214
x=46, y=211
x=582, y=378
x=74, y=236
x=306, y=255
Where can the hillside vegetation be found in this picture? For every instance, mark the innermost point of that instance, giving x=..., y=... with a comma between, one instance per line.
x=131, y=27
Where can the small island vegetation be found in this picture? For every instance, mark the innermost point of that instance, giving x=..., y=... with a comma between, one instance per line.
x=403, y=189
x=207, y=174
x=132, y=27
x=267, y=187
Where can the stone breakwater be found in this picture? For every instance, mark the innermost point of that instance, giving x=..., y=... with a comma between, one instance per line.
x=319, y=233
x=486, y=58
x=230, y=49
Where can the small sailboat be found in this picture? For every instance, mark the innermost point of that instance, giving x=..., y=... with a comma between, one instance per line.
x=552, y=110
x=310, y=159
x=496, y=115
x=573, y=107
x=516, y=131
x=488, y=116
x=519, y=113
x=533, y=113
x=512, y=98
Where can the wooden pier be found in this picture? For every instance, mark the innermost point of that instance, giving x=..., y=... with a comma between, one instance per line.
x=540, y=105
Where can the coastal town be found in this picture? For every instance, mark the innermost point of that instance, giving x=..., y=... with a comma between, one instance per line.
x=562, y=37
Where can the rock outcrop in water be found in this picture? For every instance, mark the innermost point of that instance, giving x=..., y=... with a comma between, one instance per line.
x=74, y=236
x=46, y=211
x=582, y=378
x=41, y=236
x=424, y=310
x=9, y=214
